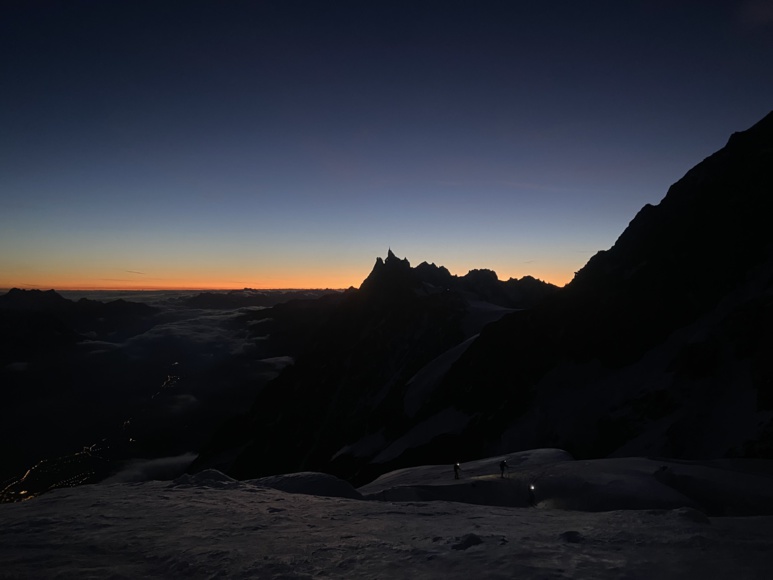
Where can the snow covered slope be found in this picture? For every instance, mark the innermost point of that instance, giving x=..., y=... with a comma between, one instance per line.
x=210, y=526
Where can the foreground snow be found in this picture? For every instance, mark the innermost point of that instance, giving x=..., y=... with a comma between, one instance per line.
x=309, y=525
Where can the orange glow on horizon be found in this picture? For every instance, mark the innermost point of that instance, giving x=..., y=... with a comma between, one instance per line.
x=182, y=282
x=204, y=284
x=283, y=277
x=182, y=285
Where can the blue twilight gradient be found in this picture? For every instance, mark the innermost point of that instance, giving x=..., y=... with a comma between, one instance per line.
x=279, y=142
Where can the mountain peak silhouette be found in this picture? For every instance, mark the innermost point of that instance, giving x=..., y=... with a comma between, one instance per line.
x=390, y=275
x=19, y=299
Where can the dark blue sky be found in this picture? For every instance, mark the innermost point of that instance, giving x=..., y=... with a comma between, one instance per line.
x=281, y=143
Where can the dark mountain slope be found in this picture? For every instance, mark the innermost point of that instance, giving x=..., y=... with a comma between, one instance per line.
x=352, y=370
x=677, y=259
x=114, y=320
x=698, y=263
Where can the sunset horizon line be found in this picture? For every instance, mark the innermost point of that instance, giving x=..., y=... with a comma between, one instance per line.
x=4, y=288
x=46, y=288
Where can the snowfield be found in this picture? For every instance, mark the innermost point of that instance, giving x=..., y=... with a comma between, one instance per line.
x=615, y=518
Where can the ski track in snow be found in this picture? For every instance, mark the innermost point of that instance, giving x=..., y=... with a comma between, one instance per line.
x=210, y=526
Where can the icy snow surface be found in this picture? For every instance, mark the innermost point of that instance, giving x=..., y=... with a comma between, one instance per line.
x=210, y=526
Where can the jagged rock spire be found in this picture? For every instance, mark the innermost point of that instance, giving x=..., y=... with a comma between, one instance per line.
x=390, y=274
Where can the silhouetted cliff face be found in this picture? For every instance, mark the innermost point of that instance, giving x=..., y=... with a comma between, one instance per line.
x=354, y=365
x=390, y=279
x=657, y=342
x=677, y=259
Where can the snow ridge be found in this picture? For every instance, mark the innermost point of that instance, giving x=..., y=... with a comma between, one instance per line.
x=616, y=520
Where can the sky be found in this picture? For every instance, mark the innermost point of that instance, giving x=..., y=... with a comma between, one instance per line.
x=287, y=144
